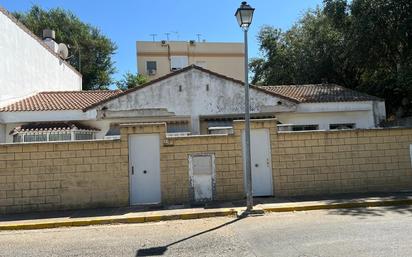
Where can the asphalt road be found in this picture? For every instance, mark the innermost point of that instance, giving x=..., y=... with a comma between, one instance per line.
x=356, y=232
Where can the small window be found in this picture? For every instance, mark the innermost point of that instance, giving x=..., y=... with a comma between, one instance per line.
x=84, y=135
x=178, y=62
x=342, y=126
x=35, y=138
x=17, y=138
x=220, y=126
x=304, y=127
x=151, y=65
x=60, y=137
x=177, y=127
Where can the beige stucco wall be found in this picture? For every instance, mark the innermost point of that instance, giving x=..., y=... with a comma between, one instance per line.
x=224, y=58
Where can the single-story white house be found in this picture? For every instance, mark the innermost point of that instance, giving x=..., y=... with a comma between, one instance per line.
x=192, y=100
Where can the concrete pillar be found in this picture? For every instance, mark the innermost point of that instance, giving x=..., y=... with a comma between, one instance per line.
x=2, y=133
x=195, y=125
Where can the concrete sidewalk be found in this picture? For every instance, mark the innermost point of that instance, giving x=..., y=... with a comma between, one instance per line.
x=150, y=214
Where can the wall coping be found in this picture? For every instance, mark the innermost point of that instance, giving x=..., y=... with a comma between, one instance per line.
x=201, y=136
x=125, y=125
x=343, y=130
x=61, y=142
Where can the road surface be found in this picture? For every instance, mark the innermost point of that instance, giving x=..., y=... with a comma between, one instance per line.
x=355, y=232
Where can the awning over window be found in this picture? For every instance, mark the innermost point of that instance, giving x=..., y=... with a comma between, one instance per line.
x=52, y=127
x=53, y=131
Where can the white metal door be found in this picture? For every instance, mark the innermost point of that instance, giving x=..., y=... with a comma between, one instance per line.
x=144, y=169
x=261, y=162
x=201, y=173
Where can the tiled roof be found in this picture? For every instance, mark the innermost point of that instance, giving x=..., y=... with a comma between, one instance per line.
x=319, y=93
x=60, y=101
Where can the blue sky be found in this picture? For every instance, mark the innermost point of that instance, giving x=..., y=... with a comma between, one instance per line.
x=126, y=21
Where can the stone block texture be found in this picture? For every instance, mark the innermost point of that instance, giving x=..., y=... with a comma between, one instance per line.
x=332, y=162
x=70, y=175
x=59, y=176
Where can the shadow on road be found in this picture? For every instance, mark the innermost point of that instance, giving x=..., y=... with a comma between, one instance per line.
x=366, y=212
x=160, y=250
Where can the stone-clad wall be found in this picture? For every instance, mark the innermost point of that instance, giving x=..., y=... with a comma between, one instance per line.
x=174, y=163
x=328, y=162
x=68, y=175
x=55, y=176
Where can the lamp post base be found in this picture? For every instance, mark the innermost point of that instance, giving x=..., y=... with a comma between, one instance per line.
x=250, y=213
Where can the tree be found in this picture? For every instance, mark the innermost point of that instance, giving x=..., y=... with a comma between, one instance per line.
x=130, y=80
x=361, y=44
x=91, y=51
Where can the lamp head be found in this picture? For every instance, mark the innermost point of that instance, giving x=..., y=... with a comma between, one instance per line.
x=244, y=15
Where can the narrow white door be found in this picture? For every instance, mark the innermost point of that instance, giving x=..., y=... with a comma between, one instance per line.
x=144, y=169
x=261, y=162
x=201, y=173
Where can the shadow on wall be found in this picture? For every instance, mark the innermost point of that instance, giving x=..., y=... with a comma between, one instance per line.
x=160, y=250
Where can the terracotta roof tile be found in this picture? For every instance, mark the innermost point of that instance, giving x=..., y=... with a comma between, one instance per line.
x=60, y=101
x=319, y=93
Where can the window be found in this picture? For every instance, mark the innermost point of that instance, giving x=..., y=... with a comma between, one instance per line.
x=53, y=136
x=178, y=62
x=83, y=135
x=35, y=138
x=177, y=127
x=52, y=132
x=304, y=127
x=220, y=126
x=17, y=138
x=151, y=67
x=342, y=126
x=60, y=136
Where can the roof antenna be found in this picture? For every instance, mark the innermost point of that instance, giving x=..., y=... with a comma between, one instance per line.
x=198, y=37
x=153, y=36
x=167, y=35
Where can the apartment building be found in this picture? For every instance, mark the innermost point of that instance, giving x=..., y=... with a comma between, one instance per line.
x=158, y=58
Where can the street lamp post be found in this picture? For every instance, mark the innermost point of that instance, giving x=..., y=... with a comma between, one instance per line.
x=244, y=16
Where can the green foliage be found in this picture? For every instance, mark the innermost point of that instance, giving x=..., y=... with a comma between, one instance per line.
x=130, y=80
x=361, y=44
x=91, y=51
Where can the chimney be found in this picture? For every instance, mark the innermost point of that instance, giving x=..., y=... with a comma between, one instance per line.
x=48, y=38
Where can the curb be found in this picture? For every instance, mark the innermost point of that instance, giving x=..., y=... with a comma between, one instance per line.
x=347, y=205
x=105, y=221
x=200, y=215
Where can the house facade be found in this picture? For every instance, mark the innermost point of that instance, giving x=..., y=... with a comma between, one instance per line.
x=28, y=65
x=156, y=59
x=192, y=101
